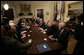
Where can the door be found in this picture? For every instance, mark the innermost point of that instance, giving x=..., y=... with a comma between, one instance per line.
x=40, y=13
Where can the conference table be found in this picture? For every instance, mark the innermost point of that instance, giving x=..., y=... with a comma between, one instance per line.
x=38, y=38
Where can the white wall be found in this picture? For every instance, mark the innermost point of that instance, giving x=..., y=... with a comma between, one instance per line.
x=48, y=6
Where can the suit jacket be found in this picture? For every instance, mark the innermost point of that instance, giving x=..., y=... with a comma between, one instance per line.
x=62, y=36
x=79, y=32
x=45, y=26
x=37, y=21
x=52, y=30
x=41, y=24
x=10, y=45
x=30, y=19
x=18, y=34
x=19, y=24
x=27, y=20
x=33, y=20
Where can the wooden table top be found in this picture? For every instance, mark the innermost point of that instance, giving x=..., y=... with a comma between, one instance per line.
x=38, y=38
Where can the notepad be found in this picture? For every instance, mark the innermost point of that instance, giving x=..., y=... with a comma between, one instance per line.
x=43, y=48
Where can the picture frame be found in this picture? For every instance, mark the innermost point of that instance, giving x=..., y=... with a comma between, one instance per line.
x=47, y=13
x=74, y=9
x=25, y=7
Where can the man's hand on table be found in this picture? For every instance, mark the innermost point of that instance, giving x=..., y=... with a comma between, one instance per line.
x=30, y=40
x=45, y=29
x=41, y=29
x=36, y=24
x=23, y=36
x=50, y=37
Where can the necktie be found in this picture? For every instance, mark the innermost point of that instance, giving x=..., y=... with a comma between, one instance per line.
x=61, y=31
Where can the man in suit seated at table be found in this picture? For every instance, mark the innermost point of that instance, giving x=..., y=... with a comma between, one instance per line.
x=45, y=27
x=14, y=46
x=20, y=24
x=41, y=24
x=27, y=20
x=37, y=21
x=79, y=34
x=15, y=27
x=61, y=35
x=52, y=29
x=11, y=45
x=32, y=20
x=24, y=20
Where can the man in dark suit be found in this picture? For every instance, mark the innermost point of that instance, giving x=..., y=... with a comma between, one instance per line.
x=32, y=20
x=61, y=33
x=19, y=24
x=41, y=24
x=18, y=30
x=27, y=20
x=79, y=34
x=61, y=36
x=37, y=20
x=52, y=29
x=11, y=45
x=45, y=27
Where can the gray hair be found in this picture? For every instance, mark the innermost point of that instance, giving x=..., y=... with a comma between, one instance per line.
x=62, y=24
